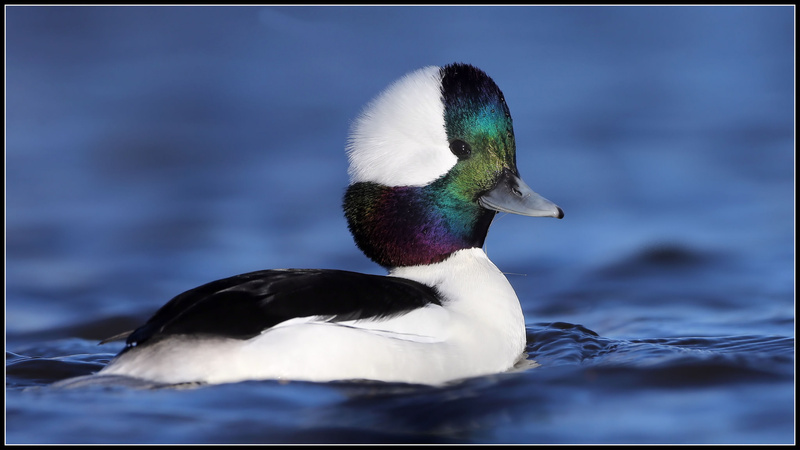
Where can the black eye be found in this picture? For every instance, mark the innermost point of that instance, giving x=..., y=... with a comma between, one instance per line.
x=460, y=149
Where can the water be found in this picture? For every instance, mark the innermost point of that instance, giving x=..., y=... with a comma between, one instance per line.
x=150, y=150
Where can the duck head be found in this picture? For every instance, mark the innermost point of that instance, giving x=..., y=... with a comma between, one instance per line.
x=432, y=160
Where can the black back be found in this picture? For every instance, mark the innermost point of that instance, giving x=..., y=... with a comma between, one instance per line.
x=245, y=305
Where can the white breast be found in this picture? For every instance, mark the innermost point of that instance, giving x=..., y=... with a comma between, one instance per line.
x=486, y=320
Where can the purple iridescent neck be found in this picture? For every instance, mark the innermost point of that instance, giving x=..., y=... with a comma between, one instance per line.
x=411, y=225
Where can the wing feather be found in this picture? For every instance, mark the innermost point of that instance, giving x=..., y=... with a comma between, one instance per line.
x=245, y=305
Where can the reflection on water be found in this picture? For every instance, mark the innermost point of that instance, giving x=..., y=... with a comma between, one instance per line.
x=577, y=370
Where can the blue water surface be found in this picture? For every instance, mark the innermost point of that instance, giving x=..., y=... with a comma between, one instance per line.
x=153, y=149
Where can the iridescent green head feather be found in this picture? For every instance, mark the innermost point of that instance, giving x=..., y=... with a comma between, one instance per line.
x=476, y=114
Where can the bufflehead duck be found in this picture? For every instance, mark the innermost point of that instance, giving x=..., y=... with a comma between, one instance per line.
x=432, y=160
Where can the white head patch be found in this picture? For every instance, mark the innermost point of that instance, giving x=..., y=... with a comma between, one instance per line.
x=400, y=138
